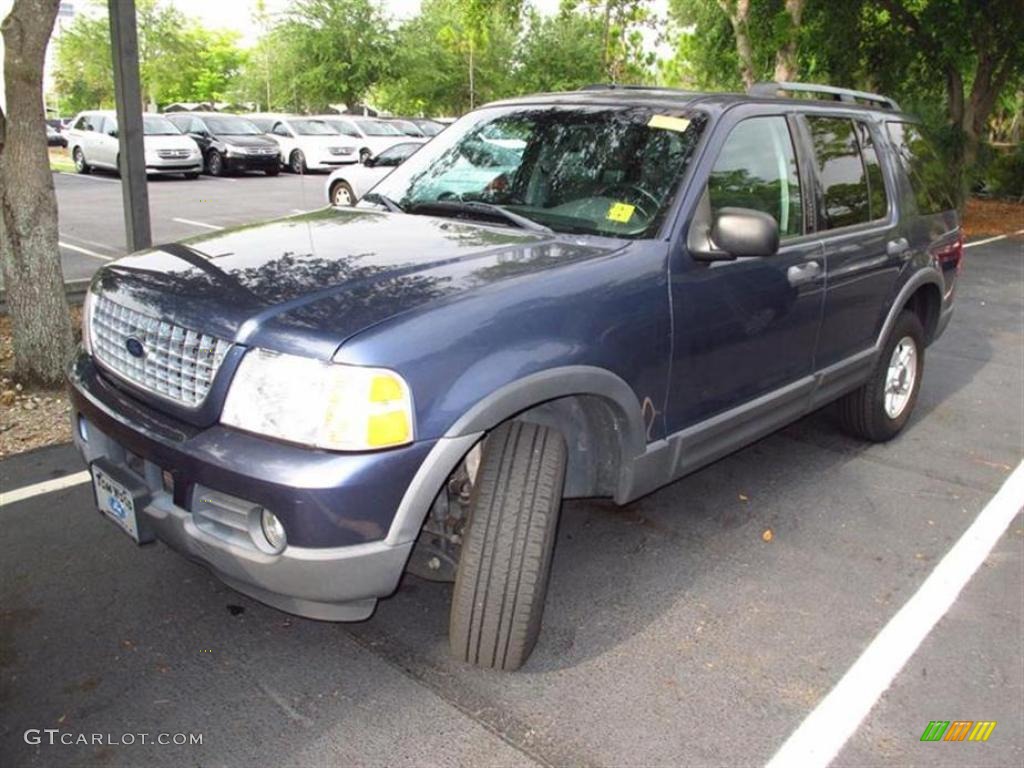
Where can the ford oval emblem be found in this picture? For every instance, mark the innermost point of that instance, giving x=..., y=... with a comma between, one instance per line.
x=134, y=347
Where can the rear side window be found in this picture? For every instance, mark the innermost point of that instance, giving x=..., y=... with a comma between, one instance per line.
x=878, y=200
x=757, y=169
x=844, y=184
x=929, y=179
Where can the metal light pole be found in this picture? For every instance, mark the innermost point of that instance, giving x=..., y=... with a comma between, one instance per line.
x=124, y=49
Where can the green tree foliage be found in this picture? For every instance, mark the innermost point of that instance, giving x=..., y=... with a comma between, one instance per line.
x=179, y=60
x=560, y=53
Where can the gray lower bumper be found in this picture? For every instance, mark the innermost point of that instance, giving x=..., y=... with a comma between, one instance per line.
x=337, y=584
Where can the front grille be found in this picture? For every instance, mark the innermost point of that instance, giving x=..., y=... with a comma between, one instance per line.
x=173, y=154
x=175, y=362
x=262, y=150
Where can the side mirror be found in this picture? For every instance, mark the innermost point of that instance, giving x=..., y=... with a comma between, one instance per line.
x=370, y=162
x=112, y=132
x=740, y=232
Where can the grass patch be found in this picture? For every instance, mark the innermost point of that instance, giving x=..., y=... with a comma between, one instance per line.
x=60, y=161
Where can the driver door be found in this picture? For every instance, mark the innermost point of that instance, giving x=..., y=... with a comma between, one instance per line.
x=746, y=328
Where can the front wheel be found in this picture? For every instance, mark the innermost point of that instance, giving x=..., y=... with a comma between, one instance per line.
x=79, y=157
x=215, y=164
x=882, y=406
x=297, y=162
x=364, y=155
x=502, y=579
x=342, y=194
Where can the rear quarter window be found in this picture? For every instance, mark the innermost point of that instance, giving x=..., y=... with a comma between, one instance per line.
x=844, y=183
x=929, y=179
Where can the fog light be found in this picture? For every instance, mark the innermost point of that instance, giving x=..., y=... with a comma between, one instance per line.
x=272, y=530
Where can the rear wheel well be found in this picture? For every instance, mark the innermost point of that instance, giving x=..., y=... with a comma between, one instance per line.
x=926, y=302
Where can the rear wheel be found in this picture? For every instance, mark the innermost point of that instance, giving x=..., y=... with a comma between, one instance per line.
x=342, y=194
x=882, y=406
x=79, y=157
x=297, y=162
x=502, y=579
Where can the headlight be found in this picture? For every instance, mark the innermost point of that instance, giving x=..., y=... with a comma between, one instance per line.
x=87, y=303
x=235, y=150
x=326, y=405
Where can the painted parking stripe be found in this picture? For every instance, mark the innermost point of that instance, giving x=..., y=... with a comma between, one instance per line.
x=86, y=251
x=197, y=223
x=818, y=739
x=47, y=486
x=992, y=239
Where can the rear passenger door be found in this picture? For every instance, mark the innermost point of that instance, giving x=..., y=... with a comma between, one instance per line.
x=856, y=224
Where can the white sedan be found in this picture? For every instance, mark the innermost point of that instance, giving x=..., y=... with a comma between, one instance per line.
x=346, y=185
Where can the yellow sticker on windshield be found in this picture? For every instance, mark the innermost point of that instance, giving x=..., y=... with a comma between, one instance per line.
x=669, y=123
x=621, y=212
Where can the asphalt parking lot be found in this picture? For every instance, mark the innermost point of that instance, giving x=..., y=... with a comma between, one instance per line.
x=92, y=225
x=675, y=634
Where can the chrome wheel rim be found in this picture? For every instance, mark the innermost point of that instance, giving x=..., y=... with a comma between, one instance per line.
x=342, y=196
x=79, y=160
x=900, y=377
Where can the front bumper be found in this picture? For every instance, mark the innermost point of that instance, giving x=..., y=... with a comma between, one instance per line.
x=252, y=162
x=320, y=497
x=323, y=162
x=174, y=165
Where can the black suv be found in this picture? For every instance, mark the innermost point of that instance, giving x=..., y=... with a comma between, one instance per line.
x=560, y=296
x=230, y=144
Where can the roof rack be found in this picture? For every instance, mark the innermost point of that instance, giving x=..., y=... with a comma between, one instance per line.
x=847, y=95
x=621, y=87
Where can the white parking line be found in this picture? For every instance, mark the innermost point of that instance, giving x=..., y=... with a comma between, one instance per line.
x=89, y=177
x=197, y=223
x=992, y=239
x=86, y=251
x=824, y=732
x=47, y=486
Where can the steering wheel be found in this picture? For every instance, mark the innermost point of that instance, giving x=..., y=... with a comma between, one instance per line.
x=632, y=192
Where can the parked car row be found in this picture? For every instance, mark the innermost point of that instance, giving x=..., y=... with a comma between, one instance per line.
x=220, y=143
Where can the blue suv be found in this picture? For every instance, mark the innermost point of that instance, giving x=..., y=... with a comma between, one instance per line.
x=585, y=294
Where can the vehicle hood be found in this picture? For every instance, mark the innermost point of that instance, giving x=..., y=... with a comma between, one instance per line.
x=168, y=142
x=247, y=141
x=305, y=284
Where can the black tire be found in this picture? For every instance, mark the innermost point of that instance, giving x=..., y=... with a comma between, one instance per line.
x=863, y=412
x=215, y=164
x=297, y=162
x=342, y=194
x=79, y=157
x=272, y=171
x=502, y=579
x=364, y=155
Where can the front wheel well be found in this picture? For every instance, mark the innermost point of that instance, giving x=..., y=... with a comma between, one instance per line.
x=926, y=303
x=593, y=429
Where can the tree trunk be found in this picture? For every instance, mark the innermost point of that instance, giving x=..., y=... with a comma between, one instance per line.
x=738, y=12
x=786, y=65
x=28, y=207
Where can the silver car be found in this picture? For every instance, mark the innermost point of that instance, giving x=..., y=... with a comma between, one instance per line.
x=92, y=142
x=346, y=185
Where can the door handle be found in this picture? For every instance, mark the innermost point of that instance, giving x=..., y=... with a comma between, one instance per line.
x=799, y=274
x=897, y=247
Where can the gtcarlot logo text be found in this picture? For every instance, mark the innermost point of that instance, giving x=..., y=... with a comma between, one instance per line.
x=55, y=736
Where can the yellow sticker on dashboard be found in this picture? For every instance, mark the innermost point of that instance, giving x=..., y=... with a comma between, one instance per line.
x=621, y=212
x=669, y=123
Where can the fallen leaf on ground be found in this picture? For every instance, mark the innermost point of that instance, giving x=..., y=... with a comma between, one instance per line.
x=767, y=535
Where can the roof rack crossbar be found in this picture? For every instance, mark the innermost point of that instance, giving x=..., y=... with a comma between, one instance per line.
x=621, y=87
x=848, y=95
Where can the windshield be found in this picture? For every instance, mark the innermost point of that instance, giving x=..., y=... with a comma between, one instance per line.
x=312, y=128
x=430, y=129
x=231, y=126
x=158, y=126
x=591, y=170
x=377, y=128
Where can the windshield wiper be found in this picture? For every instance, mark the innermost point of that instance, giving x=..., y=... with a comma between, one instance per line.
x=487, y=210
x=387, y=202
